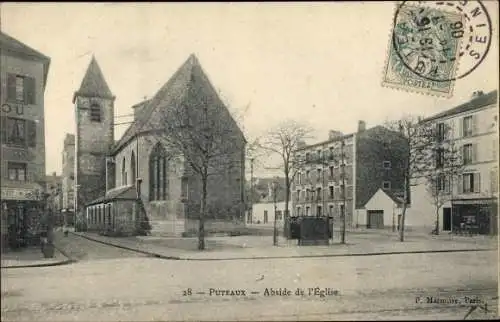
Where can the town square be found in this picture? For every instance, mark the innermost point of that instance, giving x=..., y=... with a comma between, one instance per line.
x=249, y=161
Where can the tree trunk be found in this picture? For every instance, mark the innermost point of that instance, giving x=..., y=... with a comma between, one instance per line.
x=287, y=203
x=201, y=228
x=437, y=221
x=403, y=213
x=402, y=224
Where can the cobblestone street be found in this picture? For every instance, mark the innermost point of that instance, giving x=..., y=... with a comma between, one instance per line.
x=112, y=284
x=83, y=249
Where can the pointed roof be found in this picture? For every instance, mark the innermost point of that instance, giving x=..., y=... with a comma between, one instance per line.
x=93, y=83
x=173, y=92
x=14, y=46
x=395, y=196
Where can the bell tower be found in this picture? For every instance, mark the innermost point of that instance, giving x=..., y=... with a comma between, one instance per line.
x=94, y=113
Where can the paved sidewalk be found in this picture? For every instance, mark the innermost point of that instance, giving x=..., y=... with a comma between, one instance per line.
x=260, y=247
x=31, y=257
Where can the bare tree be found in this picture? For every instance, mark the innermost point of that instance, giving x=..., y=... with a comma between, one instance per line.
x=417, y=156
x=283, y=140
x=204, y=134
x=447, y=165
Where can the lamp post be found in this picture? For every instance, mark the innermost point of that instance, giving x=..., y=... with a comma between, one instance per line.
x=275, y=185
x=250, y=220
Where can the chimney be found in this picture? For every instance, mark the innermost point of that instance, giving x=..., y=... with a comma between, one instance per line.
x=138, y=182
x=334, y=134
x=361, y=126
x=476, y=94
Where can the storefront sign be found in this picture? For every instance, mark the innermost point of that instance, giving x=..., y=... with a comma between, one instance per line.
x=18, y=194
x=473, y=201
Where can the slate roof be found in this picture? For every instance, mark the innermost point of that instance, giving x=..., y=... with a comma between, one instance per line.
x=171, y=93
x=93, y=83
x=120, y=193
x=13, y=45
x=475, y=103
x=396, y=196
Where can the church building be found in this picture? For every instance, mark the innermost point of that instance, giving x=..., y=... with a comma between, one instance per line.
x=151, y=173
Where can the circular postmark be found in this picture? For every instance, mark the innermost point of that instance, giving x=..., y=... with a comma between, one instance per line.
x=441, y=41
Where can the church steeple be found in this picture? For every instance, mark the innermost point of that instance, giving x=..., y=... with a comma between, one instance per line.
x=93, y=83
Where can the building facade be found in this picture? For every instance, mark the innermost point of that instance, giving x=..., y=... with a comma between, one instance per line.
x=263, y=214
x=340, y=175
x=53, y=187
x=169, y=190
x=261, y=192
x=268, y=202
x=68, y=179
x=473, y=193
x=23, y=80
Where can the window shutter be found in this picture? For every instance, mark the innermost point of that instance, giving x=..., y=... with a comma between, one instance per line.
x=495, y=149
x=460, y=184
x=474, y=125
x=474, y=152
x=461, y=128
x=448, y=128
x=11, y=87
x=31, y=133
x=10, y=129
x=477, y=182
x=3, y=128
x=447, y=182
x=493, y=181
x=29, y=90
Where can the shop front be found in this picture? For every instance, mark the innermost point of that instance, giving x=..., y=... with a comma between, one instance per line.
x=475, y=215
x=22, y=209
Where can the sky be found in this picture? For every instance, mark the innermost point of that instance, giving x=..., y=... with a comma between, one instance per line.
x=318, y=63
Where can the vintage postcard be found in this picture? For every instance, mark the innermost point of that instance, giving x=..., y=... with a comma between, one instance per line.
x=249, y=161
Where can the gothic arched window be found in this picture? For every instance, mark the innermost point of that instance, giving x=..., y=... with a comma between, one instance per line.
x=124, y=172
x=95, y=113
x=158, y=174
x=132, y=168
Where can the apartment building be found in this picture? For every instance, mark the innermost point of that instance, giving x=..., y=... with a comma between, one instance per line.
x=68, y=179
x=23, y=78
x=472, y=195
x=340, y=175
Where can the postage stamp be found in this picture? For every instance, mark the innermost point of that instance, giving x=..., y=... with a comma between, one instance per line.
x=434, y=43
